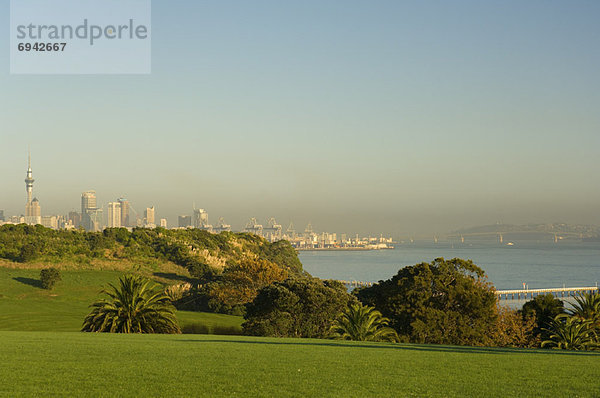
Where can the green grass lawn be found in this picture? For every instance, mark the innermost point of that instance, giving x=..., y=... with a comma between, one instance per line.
x=42, y=354
x=25, y=306
x=81, y=364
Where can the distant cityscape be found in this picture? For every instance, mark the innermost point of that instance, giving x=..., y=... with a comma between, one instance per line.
x=121, y=214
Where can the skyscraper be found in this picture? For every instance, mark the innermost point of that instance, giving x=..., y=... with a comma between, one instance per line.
x=124, y=212
x=75, y=218
x=33, y=211
x=114, y=215
x=2, y=215
x=91, y=215
x=149, y=217
x=184, y=221
x=200, y=218
x=88, y=201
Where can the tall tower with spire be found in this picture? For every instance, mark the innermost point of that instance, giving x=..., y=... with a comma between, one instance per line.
x=29, y=180
x=33, y=211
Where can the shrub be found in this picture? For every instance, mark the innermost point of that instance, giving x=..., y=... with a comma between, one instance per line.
x=570, y=333
x=49, y=277
x=544, y=308
x=514, y=330
x=176, y=292
x=296, y=308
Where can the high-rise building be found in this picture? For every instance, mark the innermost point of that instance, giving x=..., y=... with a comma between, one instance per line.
x=75, y=218
x=200, y=218
x=33, y=211
x=2, y=216
x=88, y=201
x=114, y=215
x=149, y=219
x=91, y=215
x=163, y=222
x=125, y=212
x=184, y=221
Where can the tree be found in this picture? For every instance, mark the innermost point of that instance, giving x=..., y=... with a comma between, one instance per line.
x=134, y=306
x=303, y=307
x=513, y=330
x=238, y=285
x=443, y=302
x=49, y=277
x=569, y=333
x=363, y=323
x=28, y=252
x=587, y=307
x=545, y=308
x=241, y=282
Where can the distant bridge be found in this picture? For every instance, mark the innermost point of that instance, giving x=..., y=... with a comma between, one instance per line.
x=557, y=235
x=530, y=293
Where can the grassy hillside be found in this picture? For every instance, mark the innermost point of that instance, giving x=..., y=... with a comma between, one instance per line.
x=193, y=249
x=25, y=306
x=195, y=365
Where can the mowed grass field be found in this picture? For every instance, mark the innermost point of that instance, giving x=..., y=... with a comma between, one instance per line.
x=24, y=306
x=82, y=364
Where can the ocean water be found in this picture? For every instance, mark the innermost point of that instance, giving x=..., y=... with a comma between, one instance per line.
x=539, y=265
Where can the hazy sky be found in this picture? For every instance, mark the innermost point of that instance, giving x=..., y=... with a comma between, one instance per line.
x=400, y=117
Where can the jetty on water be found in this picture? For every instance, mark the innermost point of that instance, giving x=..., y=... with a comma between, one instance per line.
x=354, y=284
x=518, y=294
x=556, y=291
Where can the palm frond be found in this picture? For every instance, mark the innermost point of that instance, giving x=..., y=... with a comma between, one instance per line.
x=363, y=323
x=135, y=306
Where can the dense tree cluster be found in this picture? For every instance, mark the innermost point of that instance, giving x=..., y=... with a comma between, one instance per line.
x=236, y=286
x=305, y=307
x=442, y=302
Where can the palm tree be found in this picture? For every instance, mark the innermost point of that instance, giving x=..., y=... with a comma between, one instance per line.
x=570, y=333
x=134, y=306
x=363, y=323
x=587, y=307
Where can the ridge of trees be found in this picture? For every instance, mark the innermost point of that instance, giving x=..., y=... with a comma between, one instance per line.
x=202, y=253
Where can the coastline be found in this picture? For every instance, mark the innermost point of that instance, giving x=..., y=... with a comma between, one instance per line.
x=335, y=249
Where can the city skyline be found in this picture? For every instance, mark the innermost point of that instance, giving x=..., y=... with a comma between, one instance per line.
x=92, y=218
x=388, y=117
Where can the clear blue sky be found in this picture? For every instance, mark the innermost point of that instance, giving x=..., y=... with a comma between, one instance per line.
x=360, y=116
